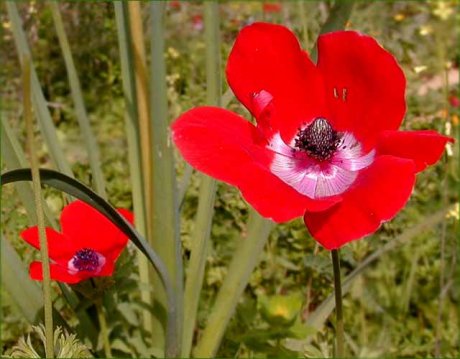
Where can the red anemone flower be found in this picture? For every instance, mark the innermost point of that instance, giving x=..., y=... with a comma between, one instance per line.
x=326, y=144
x=88, y=246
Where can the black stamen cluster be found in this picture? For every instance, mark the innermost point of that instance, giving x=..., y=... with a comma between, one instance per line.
x=86, y=259
x=319, y=140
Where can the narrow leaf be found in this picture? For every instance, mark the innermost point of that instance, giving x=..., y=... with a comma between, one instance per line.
x=92, y=147
x=203, y=221
x=243, y=263
x=165, y=231
x=134, y=152
x=39, y=102
x=15, y=279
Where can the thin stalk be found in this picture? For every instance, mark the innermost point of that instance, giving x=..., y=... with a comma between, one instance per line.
x=104, y=330
x=134, y=152
x=318, y=317
x=243, y=263
x=34, y=164
x=142, y=99
x=203, y=221
x=339, y=332
x=303, y=18
x=80, y=111
x=442, y=59
x=338, y=17
x=40, y=103
x=165, y=223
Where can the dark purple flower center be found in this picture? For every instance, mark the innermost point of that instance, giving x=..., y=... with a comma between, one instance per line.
x=319, y=140
x=86, y=259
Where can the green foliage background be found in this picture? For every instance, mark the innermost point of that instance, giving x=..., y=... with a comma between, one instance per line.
x=393, y=309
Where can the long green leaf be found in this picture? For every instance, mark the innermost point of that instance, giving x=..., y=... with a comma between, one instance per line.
x=134, y=152
x=77, y=189
x=243, y=263
x=165, y=231
x=92, y=147
x=15, y=279
x=14, y=157
x=203, y=221
x=317, y=318
x=40, y=104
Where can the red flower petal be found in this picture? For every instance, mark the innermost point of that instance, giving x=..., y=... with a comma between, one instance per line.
x=87, y=228
x=424, y=147
x=378, y=194
x=267, y=57
x=59, y=247
x=364, y=85
x=229, y=148
x=57, y=272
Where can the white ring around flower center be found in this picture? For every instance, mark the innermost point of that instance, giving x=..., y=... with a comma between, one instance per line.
x=319, y=179
x=74, y=270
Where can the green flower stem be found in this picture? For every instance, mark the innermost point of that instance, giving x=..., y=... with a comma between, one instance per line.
x=104, y=330
x=303, y=19
x=48, y=306
x=243, y=263
x=202, y=230
x=339, y=333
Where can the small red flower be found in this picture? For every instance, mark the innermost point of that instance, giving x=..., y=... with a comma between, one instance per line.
x=326, y=144
x=88, y=246
x=454, y=101
x=271, y=7
x=175, y=4
x=197, y=22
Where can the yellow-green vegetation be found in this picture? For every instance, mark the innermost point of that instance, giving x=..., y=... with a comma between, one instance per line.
x=403, y=303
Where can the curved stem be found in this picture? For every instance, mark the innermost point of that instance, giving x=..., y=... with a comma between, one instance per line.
x=339, y=334
x=104, y=330
x=77, y=189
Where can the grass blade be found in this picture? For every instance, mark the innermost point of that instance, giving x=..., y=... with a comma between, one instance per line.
x=142, y=100
x=15, y=279
x=40, y=104
x=243, y=263
x=165, y=231
x=80, y=110
x=317, y=318
x=203, y=221
x=134, y=152
x=14, y=157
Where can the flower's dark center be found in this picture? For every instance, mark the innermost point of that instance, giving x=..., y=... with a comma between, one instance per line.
x=86, y=259
x=319, y=140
